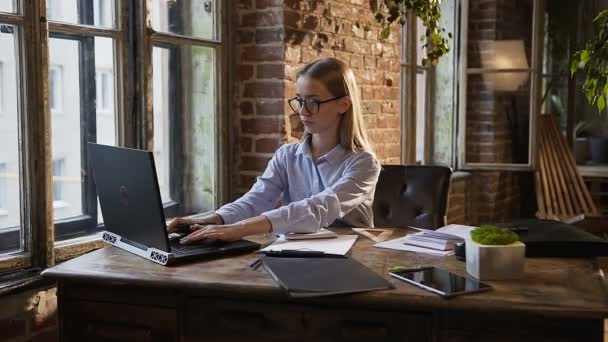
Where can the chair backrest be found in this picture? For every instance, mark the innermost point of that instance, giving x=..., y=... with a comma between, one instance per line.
x=411, y=195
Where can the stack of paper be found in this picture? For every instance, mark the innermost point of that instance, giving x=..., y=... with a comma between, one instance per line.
x=321, y=234
x=436, y=242
x=338, y=246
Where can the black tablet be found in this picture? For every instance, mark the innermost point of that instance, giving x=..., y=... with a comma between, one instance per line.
x=444, y=283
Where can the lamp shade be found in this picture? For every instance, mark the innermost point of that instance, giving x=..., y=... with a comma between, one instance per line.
x=504, y=55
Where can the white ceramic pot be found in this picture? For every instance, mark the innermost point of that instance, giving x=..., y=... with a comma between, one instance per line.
x=487, y=262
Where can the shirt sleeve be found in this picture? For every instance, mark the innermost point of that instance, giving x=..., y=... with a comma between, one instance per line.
x=356, y=185
x=264, y=194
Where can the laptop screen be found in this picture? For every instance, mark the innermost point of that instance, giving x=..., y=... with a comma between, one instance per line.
x=129, y=195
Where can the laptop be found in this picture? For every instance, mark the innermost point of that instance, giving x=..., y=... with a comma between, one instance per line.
x=132, y=209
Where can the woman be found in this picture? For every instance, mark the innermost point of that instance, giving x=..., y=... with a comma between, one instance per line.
x=326, y=179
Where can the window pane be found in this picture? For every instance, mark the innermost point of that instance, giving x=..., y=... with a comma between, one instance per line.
x=497, y=121
x=194, y=18
x=81, y=96
x=499, y=34
x=10, y=212
x=64, y=97
x=89, y=12
x=185, y=124
x=8, y=6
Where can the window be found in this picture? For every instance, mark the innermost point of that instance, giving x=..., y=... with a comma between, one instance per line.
x=53, y=9
x=185, y=103
x=104, y=87
x=3, y=188
x=414, y=107
x=56, y=88
x=58, y=172
x=1, y=87
x=102, y=11
x=155, y=88
x=11, y=226
x=499, y=97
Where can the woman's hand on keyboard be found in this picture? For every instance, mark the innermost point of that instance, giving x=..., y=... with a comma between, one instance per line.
x=181, y=224
x=220, y=232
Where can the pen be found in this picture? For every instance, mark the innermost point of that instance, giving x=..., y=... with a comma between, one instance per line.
x=256, y=263
x=289, y=253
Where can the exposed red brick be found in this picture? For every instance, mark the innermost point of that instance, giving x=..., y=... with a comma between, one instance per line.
x=270, y=71
x=273, y=35
x=263, y=53
x=250, y=163
x=266, y=145
x=245, y=72
x=246, y=144
x=246, y=108
x=261, y=19
x=270, y=107
x=247, y=181
x=273, y=90
x=262, y=125
x=263, y=4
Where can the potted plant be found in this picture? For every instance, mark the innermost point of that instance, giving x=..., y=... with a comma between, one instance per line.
x=593, y=61
x=494, y=253
x=388, y=12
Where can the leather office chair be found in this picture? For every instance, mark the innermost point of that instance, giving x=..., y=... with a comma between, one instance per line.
x=411, y=195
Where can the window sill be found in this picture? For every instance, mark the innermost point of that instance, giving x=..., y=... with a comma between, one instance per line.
x=23, y=280
x=72, y=248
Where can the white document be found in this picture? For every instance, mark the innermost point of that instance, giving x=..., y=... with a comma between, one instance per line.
x=321, y=234
x=451, y=231
x=398, y=244
x=337, y=246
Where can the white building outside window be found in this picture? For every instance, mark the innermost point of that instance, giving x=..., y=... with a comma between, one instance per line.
x=1, y=88
x=105, y=98
x=56, y=88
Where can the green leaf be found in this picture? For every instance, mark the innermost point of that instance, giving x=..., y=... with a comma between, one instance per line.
x=601, y=15
x=601, y=103
x=584, y=57
x=575, y=61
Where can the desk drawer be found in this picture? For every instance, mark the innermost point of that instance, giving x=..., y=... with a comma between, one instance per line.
x=228, y=320
x=363, y=325
x=96, y=321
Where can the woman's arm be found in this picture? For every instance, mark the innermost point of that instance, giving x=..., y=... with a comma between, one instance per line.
x=263, y=195
x=321, y=210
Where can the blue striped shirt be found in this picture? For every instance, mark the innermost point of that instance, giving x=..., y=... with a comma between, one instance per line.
x=336, y=189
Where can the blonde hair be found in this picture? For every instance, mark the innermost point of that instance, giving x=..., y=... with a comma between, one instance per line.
x=339, y=80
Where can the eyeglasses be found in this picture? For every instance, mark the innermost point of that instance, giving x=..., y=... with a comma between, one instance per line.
x=311, y=105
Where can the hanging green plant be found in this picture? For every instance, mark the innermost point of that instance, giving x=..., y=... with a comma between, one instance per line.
x=593, y=60
x=388, y=12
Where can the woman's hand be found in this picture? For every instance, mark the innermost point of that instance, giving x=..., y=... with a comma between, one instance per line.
x=178, y=223
x=220, y=232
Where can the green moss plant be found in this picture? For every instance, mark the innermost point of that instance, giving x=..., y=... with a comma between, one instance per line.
x=492, y=235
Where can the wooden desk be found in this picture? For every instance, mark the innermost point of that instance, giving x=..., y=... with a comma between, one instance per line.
x=110, y=294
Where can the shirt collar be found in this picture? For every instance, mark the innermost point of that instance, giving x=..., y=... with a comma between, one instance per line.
x=335, y=156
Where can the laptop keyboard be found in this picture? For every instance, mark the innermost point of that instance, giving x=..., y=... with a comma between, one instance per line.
x=202, y=245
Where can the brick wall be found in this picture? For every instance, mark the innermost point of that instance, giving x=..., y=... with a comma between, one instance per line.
x=29, y=316
x=274, y=39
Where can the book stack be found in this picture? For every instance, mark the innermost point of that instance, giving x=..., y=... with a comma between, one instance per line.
x=435, y=242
